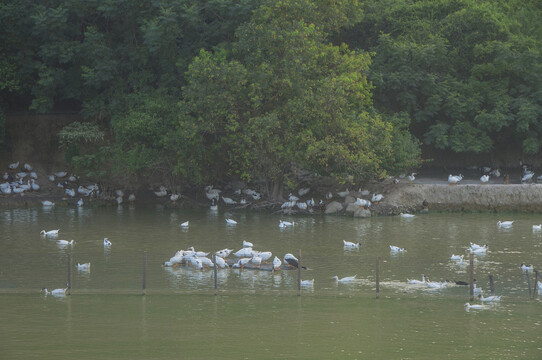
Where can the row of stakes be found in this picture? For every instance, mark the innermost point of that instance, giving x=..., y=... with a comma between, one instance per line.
x=532, y=291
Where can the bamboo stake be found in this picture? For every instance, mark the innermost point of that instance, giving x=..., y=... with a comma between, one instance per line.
x=471, y=277
x=69, y=284
x=299, y=275
x=215, y=271
x=377, y=277
x=144, y=284
x=528, y=283
x=491, y=285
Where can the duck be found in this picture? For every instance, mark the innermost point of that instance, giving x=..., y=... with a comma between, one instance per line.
x=55, y=292
x=407, y=215
x=396, y=249
x=174, y=197
x=283, y=224
x=329, y=195
x=162, y=192
x=349, y=244
x=456, y=257
x=436, y=284
x=452, y=180
x=539, y=287
x=244, y=252
x=256, y=260
x=377, y=198
x=478, y=251
x=302, y=206
x=344, y=193
x=247, y=244
x=221, y=263
x=131, y=198
x=307, y=283
x=107, y=243
x=13, y=166
x=505, y=224
x=363, y=203
x=291, y=260
x=303, y=191
x=412, y=177
x=35, y=187
x=213, y=206
x=224, y=253
x=493, y=298
x=205, y=261
x=83, y=267
x=70, y=192
x=528, y=268
x=80, y=202
x=276, y=263
x=47, y=203
x=265, y=255
x=185, y=224
x=228, y=201
x=64, y=242
x=50, y=233
x=468, y=306
x=484, y=179
x=476, y=289
x=417, y=282
x=310, y=202
x=537, y=227
x=345, y=279
x=241, y=263
x=196, y=262
x=60, y=174
x=474, y=246
x=231, y=222
x=212, y=193
x=199, y=254
x=292, y=197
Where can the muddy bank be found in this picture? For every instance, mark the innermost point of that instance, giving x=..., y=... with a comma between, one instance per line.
x=440, y=197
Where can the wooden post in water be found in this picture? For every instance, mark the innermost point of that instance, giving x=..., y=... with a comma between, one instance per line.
x=471, y=277
x=377, y=277
x=299, y=275
x=144, y=285
x=69, y=283
x=529, y=284
x=536, y=289
x=215, y=272
x=491, y=285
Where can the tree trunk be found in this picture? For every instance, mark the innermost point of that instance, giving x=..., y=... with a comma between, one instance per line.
x=276, y=193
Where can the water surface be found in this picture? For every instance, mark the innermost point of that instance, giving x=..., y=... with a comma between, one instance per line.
x=258, y=313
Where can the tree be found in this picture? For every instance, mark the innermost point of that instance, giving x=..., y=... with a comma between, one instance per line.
x=284, y=97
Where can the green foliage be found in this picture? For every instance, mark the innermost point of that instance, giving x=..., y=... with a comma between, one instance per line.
x=468, y=73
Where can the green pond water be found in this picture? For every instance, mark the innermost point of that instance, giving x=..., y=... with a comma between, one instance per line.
x=258, y=314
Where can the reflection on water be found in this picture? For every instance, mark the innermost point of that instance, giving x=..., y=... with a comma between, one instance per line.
x=329, y=320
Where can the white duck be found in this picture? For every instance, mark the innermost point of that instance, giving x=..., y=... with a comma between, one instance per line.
x=417, y=282
x=64, y=242
x=61, y=174
x=221, y=263
x=452, y=180
x=14, y=166
x=537, y=227
x=406, y=215
x=291, y=260
x=83, y=267
x=346, y=279
x=256, y=260
x=241, y=263
x=484, y=179
x=505, y=224
x=244, y=252
x=224, y=253
x=349, y=244
x=292, y=197
x=231, y=222
x=55, y=292
x=412, y=177
x=50, y=233
x=213, y=206
x=70, y=192
x=396, y=249
x=247, y=244
x=303, y=191
x=344, y=193
x=276, y=263
x=80, y=202
x=228, y=201
x=468, y=306
x=47, y=203
x=528, y=268
x=436, y=284
x=456, y=257
x=377, y=198
x=107, y=243
x=493, y=298
x=185, y=224
x=265, y=255
x=283, y=224
x=307, y=283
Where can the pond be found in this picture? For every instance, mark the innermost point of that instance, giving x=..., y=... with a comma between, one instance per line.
x=259, y=313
